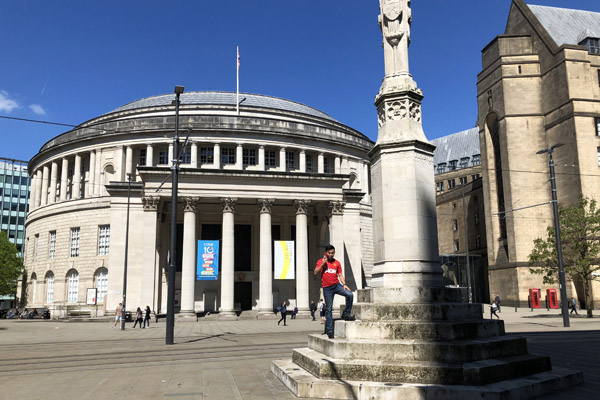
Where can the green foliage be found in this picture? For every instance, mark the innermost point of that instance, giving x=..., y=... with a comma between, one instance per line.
x=11, y=266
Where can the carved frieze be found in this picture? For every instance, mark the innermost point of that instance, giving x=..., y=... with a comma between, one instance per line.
x=400, y=109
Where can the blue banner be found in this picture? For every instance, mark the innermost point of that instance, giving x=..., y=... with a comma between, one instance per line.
x=207, y=268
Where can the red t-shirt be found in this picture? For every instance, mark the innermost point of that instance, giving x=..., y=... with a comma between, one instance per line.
x=329, y=274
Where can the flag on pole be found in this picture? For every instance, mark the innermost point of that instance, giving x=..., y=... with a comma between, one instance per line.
x=237, y=97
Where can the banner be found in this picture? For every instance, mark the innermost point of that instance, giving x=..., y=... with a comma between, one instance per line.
x=284, y=259
x=207, y=268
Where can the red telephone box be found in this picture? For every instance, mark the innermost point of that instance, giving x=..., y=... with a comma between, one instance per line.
x=552, y=298
x=534, y=298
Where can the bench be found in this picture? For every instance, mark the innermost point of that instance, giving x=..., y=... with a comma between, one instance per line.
x=80, y=313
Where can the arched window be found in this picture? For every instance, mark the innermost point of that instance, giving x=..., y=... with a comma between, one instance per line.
x=33, y=287
x=73, y=285
x=49, y=287
x=101, y=284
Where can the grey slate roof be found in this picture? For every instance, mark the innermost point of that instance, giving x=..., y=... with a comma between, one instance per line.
x=225, y=98
x=567, y=26
x=456, y=146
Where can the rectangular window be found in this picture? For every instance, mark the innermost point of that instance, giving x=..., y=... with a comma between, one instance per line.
x=51, y=244
x=441, y=168
x=50, y=289
x=309, y=163
x=475, y=177
x=186, y=156
x=463, y=180
x=290, y=160
x=464, y=162
x=597, y=123
x=103, y=240
x=594, y=45
x=476, y=160
x=456, y=246
x=35, y=248
x=455, y=225
x=451, y=184
x=142, y=157
x=440, y=186
x=163, y=156
x=326, y=165
x=73, y=292
x=478, y=241
x=270, y=158
x=207, y=155
x=598, y=149
x=228, y=155
x=452, y=165
x=74, y=242
x=249, y=156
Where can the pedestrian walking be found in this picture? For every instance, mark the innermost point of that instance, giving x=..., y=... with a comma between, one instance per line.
x=138, y=317
x=313, y=309
x=294, y=312
x=322, y=311
x=497, y=300
x=118, y=314
x=493, y=309
x=573, y=306
x=333, y=283
x=147, y=317
x=283, y=310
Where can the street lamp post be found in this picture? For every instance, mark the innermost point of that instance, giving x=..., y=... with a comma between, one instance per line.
x=123, y=310
x=561, y=268
x=173, y=240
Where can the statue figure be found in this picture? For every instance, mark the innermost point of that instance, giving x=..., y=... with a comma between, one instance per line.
x=394, y=22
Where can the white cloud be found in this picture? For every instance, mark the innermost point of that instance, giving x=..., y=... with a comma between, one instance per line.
x=36, y=108
x=7, y=104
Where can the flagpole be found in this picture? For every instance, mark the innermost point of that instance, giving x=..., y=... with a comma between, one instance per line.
x=237, y=97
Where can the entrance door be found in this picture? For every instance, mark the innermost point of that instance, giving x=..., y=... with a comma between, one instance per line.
x=243, y=295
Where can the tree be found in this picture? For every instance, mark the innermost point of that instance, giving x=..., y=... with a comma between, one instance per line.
x=580, y=237
x=11, y=266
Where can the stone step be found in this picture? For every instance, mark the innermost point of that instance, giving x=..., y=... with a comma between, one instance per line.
x=417, y=312
x=418, y=350
x=472, y=373
x=409, y=295
x=305, y=385
x=429, y=330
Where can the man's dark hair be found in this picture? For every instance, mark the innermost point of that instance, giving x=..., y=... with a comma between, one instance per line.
x=329, y=247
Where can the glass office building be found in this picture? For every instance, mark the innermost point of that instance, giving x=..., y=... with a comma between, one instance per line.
x=14, y=200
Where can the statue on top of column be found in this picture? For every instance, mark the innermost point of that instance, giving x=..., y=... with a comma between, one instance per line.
x=394, y=22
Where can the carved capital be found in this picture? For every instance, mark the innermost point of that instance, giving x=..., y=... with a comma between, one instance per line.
x=190, y=204
x=150, y=203
x=228, y=204
x=337, y=207
x=301, y=206
x=264, y=205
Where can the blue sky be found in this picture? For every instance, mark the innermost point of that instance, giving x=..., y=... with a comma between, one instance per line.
x=70, y=61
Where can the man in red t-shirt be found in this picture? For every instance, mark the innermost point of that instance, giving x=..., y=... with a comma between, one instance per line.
x=333, y=282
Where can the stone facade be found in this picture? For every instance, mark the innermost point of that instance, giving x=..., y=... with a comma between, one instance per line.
x=305, y=167
x=538, y=87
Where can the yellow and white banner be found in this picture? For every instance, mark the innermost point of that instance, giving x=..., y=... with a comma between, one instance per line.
x=284, y=259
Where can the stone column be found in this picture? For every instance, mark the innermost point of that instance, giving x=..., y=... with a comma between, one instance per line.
x=188, y=262
x=194, y=155
x=217, y=156
x=64, y=177
x=282, y=159
x=171, y=155
x=39, y=183
x=227, y=272
x=97, y=170
x=239, y=153
x=32, y=193
x=45, y=183
x=91, y=175
x=302, y=255
x=302, y=160
x=345, y=168
x=129, y=161
x=76, y=189
x=336, y=231
x=265, y=296
x=261, y=158
x=337, y=165
x=149, y=155
x=321, y=163
x=53, y=179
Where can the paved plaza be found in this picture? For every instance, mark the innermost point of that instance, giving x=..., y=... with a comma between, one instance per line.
x=221, y=360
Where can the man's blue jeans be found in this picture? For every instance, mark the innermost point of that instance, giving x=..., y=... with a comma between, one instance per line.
x=328, y=293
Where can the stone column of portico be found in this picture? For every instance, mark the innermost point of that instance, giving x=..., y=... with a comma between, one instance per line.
x=149, y=155
x=45, y=184
x=336, y=231
x=282, y=159
x=53, y=180
x=64, y=177
x=337, y=165
x=91, y=175
x=239, y=154
x=265, y=293
x=302, y=255
x=76, y=188
x=188, y=262
x=217, y=156
x=98, y=174
x=128, y=162
x=321, y=163
x=32, y=194
x=39, y=185
x=261, y=158
x=194, y=155
x=227, y=273
x=302, y=161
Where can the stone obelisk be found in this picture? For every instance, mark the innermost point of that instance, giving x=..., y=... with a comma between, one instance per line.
x=412, y=338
